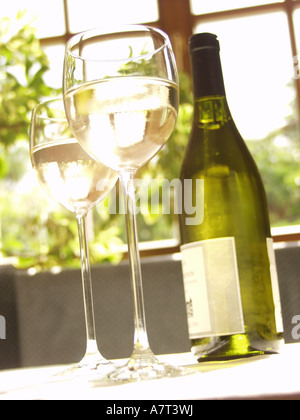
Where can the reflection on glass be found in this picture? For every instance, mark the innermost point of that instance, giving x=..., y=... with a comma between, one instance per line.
x=258, y=70
x=199, y=6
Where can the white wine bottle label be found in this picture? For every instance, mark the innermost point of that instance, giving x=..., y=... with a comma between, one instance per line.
x=275, y=285
x=212, y=288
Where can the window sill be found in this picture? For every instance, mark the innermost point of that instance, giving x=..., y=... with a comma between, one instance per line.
x=172, y=246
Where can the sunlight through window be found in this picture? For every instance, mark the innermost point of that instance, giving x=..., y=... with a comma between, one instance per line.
x=258, y=70
x=48, y=18
x=199, y=6
x=95, y=13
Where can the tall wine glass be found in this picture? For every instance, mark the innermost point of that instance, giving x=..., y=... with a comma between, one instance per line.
x=78, y=182
x=121, y=101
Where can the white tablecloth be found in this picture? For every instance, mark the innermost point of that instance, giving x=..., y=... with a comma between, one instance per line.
x=272, y=377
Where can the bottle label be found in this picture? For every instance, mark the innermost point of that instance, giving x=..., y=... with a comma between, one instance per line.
x=275, y=286
x=212, y=289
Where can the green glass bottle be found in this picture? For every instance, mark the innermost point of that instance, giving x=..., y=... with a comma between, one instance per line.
x=229, y=269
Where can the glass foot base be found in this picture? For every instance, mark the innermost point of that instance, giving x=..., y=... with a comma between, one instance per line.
x=147, y=367
x=91, y=365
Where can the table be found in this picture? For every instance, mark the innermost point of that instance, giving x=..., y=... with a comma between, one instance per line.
x=261, y=377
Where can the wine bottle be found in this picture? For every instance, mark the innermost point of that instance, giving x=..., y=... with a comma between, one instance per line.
x=228, y=260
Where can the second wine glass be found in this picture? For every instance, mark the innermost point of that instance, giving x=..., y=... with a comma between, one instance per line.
x=121, y=100
x=78, y=182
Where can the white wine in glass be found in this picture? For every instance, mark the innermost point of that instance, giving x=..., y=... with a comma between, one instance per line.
x=78, y=182
x=121, y=100
x=135, y=116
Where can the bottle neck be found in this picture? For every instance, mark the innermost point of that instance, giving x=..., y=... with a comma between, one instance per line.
x=207, y=73
x=211, y=108
x=211, y=112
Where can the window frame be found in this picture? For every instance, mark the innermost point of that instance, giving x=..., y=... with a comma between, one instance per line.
x=179, y=31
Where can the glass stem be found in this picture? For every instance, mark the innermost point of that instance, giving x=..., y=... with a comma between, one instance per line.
x=92, y=347
x=141, y=343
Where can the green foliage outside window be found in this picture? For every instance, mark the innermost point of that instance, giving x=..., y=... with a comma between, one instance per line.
x=22, y=67
x=278, y=159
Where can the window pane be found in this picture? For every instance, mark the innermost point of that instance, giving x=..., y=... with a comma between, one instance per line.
x=49, y=16
x=55, y=54
x=199, y=6
x=94, y=13
x=259, y=76
x=258, y=71
x=297, y=28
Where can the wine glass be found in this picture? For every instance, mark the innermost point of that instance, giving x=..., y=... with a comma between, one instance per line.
x=121, y=100
x=78, y=182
